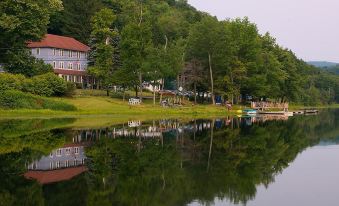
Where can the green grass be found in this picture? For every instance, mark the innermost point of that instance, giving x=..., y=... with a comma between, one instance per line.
x=111, y=110
x=106, y=106
x=12, y=99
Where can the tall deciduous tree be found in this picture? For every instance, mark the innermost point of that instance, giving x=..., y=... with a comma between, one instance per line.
x=20, y=22
x=102, y=49
x=202, y=44
x=75, y=19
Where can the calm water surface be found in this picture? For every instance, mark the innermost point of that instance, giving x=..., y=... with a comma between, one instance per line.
x=226, y=161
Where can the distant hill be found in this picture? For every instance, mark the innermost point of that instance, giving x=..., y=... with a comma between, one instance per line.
x=326, y=66
x=323, y=64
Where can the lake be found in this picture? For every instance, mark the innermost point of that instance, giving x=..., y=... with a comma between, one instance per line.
x=172, y=162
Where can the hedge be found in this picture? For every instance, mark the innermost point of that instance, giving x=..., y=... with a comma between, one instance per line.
x=44, y=85
x=12, y=99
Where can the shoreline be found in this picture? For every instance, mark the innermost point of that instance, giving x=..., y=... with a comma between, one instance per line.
x=105, y=107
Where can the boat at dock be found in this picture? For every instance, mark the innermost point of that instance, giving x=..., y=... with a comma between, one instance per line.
x=250, y=111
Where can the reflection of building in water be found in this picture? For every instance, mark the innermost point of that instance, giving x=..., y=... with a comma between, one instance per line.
x=61, y=164
x=70, y=155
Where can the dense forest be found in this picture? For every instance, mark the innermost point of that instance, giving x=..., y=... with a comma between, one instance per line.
x=133, y=41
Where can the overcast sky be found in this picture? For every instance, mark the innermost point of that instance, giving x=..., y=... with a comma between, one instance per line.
x=308, y=27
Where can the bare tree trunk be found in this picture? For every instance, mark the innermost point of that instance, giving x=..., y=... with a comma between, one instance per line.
x=162, y=89
x=232, y=96
x=140, y=81
x=211, y=145
x=154, y=93
x=141, y=15
x=166, y=42
x=195, y=93
x=123, y=94
x=136, y=91
x=211, y=75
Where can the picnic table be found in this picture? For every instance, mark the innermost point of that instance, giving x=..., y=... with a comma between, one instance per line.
x=134, y=101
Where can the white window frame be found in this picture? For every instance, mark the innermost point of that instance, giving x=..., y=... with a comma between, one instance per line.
x=79, y=66
x=54, y=52
x=67, y=163
x=58, y=164
x=59, y=152
x=54, y=64
x=78, y=78
x=68, y=151
x=61, y=65
x=70, y=53
x=37, y=51
x=76, y=150
x=70, y=66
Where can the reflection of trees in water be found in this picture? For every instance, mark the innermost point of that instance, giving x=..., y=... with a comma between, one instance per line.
x=187, y=162
x=195, y=165
x=21, y=142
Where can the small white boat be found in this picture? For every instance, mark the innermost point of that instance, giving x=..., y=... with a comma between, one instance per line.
x=250, y=111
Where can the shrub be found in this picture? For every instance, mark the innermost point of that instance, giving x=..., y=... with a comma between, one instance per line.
x=70, y=89
x=44, y=85
x=11, y=81
x=12, y=99
x=47, y=85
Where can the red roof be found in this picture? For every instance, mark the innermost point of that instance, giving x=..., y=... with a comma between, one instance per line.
x=51, y=176
x=60, y=42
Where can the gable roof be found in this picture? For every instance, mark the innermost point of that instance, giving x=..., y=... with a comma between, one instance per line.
x=59, y=42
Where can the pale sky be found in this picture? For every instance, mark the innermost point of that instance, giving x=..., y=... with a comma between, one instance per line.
x=310, y=28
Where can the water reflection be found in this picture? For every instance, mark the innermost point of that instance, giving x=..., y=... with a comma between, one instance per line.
x=160, y=162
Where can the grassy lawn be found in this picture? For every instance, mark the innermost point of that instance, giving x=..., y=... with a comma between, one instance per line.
x=101, y=106
x=93, y=105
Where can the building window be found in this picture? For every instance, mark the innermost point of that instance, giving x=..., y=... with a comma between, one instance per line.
x=78, y=79
x=78, y=66
x=58, y=152
x=37, y=51
x=61, y=65
x=61, y=52
x=64, y=77
x=70, y=53
x=70, y=65
x=54, y=52
x=58, y=164
x=54, y=65
x=51, y=165
x=67, y=163
x=68, y=151
x=76, y=150
x=75, y=162
x=78, y=55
